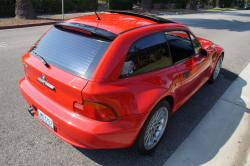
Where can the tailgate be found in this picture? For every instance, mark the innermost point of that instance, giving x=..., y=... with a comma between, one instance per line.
x=67, y=86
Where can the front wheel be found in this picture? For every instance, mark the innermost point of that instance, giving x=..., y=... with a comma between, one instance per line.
x=154, y=128
x=216, y=70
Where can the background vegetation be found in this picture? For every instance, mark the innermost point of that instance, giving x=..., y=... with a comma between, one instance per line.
x=7, y=7
x=120, y=4
x=181, y=4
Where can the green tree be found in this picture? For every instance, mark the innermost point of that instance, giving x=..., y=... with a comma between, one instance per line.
x=24, y=9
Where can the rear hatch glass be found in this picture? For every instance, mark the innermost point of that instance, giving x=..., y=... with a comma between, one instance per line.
x=70, y=51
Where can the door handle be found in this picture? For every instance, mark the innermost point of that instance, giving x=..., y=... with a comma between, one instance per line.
x=186, y=74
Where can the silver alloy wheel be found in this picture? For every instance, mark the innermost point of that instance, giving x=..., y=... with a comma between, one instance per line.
x=156, y=128
x=217, y=68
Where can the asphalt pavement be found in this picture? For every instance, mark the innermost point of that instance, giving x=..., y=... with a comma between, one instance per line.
x=24, y=141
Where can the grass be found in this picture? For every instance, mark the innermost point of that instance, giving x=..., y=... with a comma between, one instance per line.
x=165, y=61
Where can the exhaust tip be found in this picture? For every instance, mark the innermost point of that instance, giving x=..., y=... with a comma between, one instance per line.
x=31, y=111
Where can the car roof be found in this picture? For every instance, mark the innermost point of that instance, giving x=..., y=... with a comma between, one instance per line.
x=111, y=24
x=115, y=23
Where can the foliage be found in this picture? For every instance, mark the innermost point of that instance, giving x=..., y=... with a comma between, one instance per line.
x=55, y=6
x=7, y=7
x=225, y=3
x=136, y=1
x=170, y=1
x=120, y=4
x=213, y=2
x=180, y=4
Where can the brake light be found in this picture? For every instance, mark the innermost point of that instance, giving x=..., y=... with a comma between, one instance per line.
x=96, y=111
x=74, y=29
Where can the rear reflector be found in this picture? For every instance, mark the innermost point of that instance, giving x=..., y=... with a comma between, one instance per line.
x=96, y=111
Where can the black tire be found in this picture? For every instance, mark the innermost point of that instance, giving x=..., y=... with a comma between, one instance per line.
x=215, y=75
x=161, y=107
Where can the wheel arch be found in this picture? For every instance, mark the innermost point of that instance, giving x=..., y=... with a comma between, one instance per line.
x=222, y=54
x=169, y=99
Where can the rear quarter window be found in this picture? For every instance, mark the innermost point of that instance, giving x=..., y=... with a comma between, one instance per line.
x=70, y=51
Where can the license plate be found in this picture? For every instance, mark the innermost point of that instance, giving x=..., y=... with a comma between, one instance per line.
x=45, y=119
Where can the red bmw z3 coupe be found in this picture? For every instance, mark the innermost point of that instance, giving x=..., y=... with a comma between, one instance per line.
x=115, y=81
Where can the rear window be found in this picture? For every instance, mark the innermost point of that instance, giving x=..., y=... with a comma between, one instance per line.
x=70, y=51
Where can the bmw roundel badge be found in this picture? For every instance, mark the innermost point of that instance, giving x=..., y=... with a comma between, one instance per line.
x=43, y=76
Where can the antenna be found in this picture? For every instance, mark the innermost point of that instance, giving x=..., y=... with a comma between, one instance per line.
x=98, y=18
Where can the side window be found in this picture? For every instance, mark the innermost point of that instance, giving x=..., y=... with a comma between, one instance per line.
x=147, y=54
x=180, y=45
x=196, y=44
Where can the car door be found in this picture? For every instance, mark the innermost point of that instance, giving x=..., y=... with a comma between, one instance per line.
x=187, y=61
x=147, y=75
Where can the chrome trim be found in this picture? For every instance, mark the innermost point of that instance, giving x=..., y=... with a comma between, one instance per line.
x=46, y=83
x=26, y=66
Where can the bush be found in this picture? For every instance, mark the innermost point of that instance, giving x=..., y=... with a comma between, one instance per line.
x=161, y=1
x=120, y=4
x=213, y=2
x=136, y=1
x=225, y=3
x=180, y=4
x=7, y=7
x=55, y=6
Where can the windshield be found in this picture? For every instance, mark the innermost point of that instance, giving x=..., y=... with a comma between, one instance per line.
x=70, y=51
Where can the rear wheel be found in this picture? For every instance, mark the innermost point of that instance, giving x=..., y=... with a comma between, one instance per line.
x=216, y=70
x=154, y=128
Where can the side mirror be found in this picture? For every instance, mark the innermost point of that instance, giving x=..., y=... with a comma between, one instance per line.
x=203, y=52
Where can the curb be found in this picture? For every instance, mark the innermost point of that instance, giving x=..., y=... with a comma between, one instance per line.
x=27, y=25
x=247, y=158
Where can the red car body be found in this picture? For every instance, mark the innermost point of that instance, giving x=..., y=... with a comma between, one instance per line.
x=132, y=98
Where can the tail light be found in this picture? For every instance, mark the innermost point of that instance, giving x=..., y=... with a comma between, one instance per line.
x=96, y=111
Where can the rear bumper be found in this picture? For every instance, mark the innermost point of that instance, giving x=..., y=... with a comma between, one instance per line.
x=80, y=131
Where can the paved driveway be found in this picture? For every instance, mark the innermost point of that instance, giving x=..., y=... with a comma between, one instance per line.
x=24, y=141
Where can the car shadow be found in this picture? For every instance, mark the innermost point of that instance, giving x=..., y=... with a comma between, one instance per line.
x=219, y=24
x=218, y=129
x=180, y=125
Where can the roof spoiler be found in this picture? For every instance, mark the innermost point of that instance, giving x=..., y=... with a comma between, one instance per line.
x=86, y=29
x=148, y=17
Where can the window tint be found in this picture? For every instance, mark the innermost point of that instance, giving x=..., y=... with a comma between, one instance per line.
x=147, y=54
x=72, y=52
x=196, y=44
x=180, y=45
